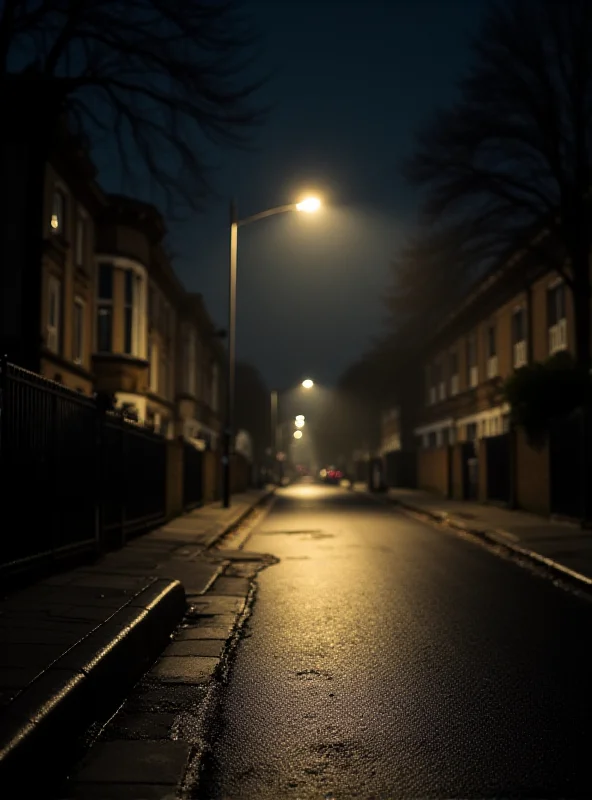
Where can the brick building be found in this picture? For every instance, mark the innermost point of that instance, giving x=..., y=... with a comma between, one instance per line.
x=113, y=316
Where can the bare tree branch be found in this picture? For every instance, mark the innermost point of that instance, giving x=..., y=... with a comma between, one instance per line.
x=515, y=153
x=168, y=77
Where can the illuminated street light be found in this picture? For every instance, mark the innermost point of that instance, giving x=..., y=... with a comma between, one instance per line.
x=300, y=416
x=309, y=205
x=307, y=384
x=298, y=434
x=299, y=423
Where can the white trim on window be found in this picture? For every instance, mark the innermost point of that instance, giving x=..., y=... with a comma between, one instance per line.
x=558, y=337
x=492, y=367
x=519, y=354
x=454, y=385
x=473, y=376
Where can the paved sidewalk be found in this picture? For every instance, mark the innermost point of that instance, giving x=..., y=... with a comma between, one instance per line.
x=141, y=589
x=564, y=543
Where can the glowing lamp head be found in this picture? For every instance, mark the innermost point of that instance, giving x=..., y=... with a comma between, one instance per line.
x=307, y=384
x=309, y=205
x=298, y=434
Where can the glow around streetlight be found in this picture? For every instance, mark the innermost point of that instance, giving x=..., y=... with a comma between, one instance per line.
x=307, y=384
x=299, y=416
x=298, y=434
x=309, y=205
x=299, y=423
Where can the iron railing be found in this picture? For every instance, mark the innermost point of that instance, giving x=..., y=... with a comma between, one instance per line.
x=72, y=477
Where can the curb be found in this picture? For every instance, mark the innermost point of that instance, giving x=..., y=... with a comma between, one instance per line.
x=215, y=538
x=497, y=538
x=41, y=730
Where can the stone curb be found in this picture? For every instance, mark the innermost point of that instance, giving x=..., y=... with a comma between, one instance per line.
x=498, y=538
x=215, y=538
x=41, y=730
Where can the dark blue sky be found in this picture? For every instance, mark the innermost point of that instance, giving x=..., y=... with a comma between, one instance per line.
x=352, y=81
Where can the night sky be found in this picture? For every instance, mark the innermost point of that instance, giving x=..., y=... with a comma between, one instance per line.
x=352, y=81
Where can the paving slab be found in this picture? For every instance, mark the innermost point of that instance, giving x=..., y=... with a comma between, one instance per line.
x=124, y=606
x=197, y=647
x=177, y=669
x=129, y=761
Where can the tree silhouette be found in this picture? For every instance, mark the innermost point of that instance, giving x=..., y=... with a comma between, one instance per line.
x=510, y=162
x=155, y=79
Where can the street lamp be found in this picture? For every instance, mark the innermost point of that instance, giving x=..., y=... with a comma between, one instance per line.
x=299, y=423
x=308, y=205
x=307, y=384
x=298, y=434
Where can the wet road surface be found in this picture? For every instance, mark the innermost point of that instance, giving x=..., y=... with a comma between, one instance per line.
x=386, y=658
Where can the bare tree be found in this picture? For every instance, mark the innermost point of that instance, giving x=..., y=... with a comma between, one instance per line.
x=154, y=79
x=513, y=156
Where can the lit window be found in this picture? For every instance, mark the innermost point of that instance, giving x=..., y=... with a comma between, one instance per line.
x=58, y=212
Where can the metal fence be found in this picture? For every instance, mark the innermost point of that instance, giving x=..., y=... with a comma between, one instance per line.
x=72, y=478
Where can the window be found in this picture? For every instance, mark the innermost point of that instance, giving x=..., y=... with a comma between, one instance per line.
x=557, y=322
x=54, y=296
x=105, y=309
x=519, y=338
x=105, y=282
x=556, y=304
x=471, y=431
x=432, y=439
x=491, y=345
x=78, y=331
x=472, y=371
x=58, y=213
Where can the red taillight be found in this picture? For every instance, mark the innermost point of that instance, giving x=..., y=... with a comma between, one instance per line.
x=339, y=474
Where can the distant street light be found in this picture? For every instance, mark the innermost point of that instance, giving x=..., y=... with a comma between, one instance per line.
x=308, y=205
x=300, y=416
x=298, y=434
x=299, y=423
x=308, y=383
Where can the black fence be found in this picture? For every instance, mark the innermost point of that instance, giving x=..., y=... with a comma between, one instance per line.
x=498, y=454
x=72, y=478
x=192, y=476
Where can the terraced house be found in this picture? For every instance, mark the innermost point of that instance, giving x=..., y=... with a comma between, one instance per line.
x=517, y=315
x=115, y=319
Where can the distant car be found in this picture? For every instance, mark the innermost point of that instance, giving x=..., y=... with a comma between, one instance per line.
x=331, y=475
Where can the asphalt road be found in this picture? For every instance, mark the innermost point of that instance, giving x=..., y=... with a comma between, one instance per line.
x=386, y=658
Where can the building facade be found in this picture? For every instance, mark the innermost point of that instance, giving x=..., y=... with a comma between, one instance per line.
x=511, y=319
x=114, y=318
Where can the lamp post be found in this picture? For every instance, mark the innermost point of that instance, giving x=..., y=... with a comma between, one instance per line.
x=308, y=205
